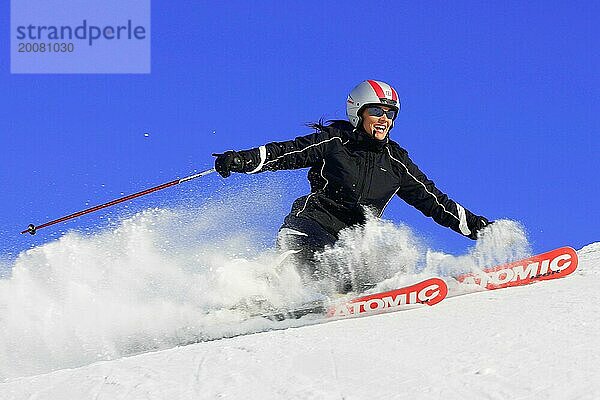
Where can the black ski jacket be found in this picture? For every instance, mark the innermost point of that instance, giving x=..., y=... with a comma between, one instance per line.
x=350, y=170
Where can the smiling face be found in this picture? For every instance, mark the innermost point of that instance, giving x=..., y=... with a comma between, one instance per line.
x=378, y=127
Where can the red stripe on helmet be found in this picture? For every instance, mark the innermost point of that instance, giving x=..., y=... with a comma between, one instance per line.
x=394, y=94
x=378, y=90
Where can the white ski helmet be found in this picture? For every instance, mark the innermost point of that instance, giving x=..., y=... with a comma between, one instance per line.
x=367, y=93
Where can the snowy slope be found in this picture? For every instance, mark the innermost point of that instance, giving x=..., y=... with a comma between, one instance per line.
x=534, y=342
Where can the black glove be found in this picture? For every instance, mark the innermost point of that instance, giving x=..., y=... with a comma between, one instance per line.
x=476, y=225
x=228, y=162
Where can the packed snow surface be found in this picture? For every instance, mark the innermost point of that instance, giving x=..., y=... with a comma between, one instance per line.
x=134, y=312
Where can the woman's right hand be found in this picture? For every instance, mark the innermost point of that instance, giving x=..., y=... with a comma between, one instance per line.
x=228, y=162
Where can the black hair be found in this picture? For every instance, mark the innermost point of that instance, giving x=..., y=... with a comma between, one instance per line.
x=320, y=124
x=323, y=124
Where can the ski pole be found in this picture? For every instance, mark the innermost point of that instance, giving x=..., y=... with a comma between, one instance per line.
x=32, y=229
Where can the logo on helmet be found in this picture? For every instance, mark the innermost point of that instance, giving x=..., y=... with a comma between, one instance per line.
x=389, y=102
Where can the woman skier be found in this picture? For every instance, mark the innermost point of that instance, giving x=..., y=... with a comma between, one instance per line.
x=354, y=166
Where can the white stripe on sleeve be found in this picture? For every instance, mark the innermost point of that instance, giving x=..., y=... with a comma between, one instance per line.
x=463, y=226
x=263, y=157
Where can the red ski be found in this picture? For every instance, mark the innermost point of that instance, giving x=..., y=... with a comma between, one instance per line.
x=430, y=291
x=551, y=265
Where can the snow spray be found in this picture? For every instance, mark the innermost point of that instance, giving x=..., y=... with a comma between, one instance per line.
x=169, y=277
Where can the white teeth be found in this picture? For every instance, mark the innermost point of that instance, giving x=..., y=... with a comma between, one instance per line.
x=380, y=128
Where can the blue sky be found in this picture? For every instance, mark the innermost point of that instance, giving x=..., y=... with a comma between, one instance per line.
x=499, y=107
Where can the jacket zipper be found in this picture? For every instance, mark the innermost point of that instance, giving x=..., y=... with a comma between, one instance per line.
x=370, y=167
x=364, y=178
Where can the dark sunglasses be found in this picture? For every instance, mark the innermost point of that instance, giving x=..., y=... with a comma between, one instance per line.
x=378, y=112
